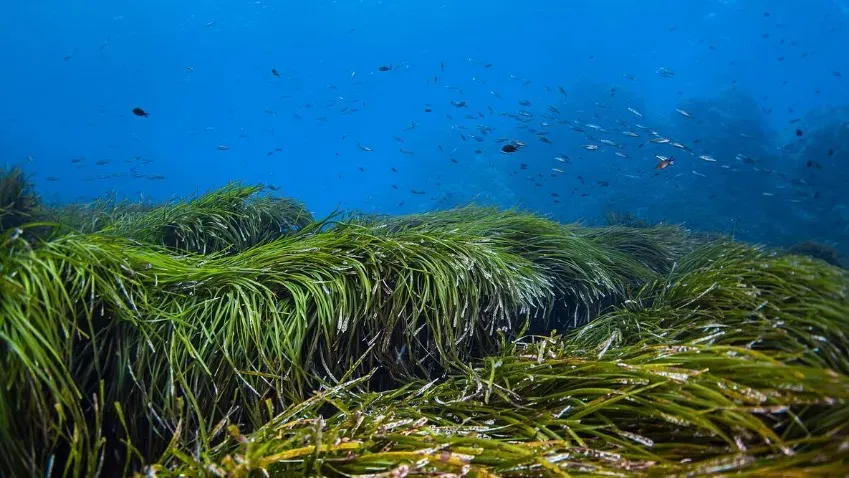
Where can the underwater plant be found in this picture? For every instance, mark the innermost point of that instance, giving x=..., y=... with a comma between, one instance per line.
x=817, y=250
x=367, y=344
x=624, y=218
x=539, y=409
x=18, y=202
x=229, y=219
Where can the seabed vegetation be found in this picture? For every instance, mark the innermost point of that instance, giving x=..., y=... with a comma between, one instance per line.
x=233, y=334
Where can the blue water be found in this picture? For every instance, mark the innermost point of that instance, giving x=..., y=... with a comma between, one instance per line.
x=745, y=70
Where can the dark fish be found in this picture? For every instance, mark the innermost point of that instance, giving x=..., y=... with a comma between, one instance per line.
x=275, y=72
x=140, y=112
x=385, y=68
x=799, y=132
x=512, y=147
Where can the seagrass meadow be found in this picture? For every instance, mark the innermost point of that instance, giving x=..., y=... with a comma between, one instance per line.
x=233, y=334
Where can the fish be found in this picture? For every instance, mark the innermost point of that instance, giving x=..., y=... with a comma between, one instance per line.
x=140, y=112
x=590, y=147
x=665, y=72
x=683, y=113
x=632, y=110
x=512, y=147
x=664, y=163
x=707, y=158
x=385, y=67
x=364, y=148
x=223, y=147
x=275, y=72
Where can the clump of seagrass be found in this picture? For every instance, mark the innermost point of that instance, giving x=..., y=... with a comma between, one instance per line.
x=121, y=349
x=185, y=341
x=624, y=218
x=18, y=202
x=230, y=219
x=541, y=409
x=590, y=268
x=733, y=294
x=91, y=217
x=820, y=251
